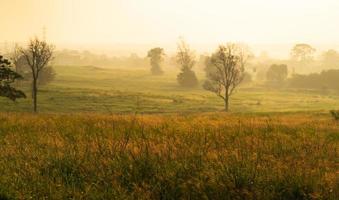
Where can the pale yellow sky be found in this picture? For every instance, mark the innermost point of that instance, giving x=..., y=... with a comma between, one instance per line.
x=163, y=21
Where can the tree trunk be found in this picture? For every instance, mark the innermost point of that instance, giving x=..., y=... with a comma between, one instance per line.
x=34, y=95
x=226, y=99
x=226, y=104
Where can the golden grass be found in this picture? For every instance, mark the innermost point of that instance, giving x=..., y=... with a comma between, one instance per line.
x=195, y=156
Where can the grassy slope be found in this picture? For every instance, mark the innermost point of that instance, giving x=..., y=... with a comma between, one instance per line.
x=195, y=156
x=91, y=89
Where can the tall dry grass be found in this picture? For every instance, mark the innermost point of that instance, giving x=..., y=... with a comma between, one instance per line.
x=197, y=156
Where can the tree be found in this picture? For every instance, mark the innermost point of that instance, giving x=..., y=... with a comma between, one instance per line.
x=185, y=58
x=330, y=59
x=302, y=53
x=38, y=54
x=7, y=77
x=225, y=70
x=156, y=57
x=277, y=73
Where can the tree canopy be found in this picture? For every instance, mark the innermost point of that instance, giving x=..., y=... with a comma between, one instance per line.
x=7, y=77
x=156, y=57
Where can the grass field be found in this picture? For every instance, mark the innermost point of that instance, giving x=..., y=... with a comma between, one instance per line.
x=186, y=156
x=93, y=89
x=124, y=134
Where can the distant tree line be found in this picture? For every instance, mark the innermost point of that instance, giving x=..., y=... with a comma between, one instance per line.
x=87, y=58
x=225, y=69
x=328, y=79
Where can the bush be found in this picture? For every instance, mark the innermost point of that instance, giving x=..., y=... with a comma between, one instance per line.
x=277, y=73
x=335, y=114
x=187, y=78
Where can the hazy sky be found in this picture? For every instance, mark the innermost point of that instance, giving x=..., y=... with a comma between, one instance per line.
x=163, y=21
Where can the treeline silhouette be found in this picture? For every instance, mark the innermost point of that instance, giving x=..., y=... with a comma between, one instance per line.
x=328, y=79
x=74, y=57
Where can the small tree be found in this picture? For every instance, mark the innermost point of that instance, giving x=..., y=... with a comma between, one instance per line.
x=38, y=54
x=185, y=58
x=225, y=70
x=7, y=77
x=277, y=73
x=156, y=56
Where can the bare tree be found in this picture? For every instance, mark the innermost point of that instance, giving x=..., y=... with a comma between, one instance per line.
x=225, y=70
x=38, y=54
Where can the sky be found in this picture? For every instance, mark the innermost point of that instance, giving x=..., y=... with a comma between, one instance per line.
x=157, y=22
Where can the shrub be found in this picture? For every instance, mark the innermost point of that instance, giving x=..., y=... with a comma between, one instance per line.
x=277, y=73
x=187, y=78
x=335, y=114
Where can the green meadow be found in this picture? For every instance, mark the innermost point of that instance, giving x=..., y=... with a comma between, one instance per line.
x=114, y=90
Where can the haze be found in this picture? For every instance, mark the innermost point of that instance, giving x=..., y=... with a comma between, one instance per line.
x=161, y=22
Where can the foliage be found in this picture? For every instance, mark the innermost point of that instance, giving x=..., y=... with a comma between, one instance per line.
x=7, y=77
x=187, y=78
x=186, y=60
x=91, y=156
x=156, y=57
x=277, y=73
x=335, y=114
x=326, y=79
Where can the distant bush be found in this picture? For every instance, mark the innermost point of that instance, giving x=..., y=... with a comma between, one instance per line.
x=277, y=73
x=247, y=78
x=187, y=78
x=326, y=79
x=335, y=114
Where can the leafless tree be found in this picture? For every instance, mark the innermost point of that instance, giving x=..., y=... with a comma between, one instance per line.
x=38, y=54
x=15, y=56
x=225, y=70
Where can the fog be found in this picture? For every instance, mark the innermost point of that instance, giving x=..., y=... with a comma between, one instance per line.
x=133, y=26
